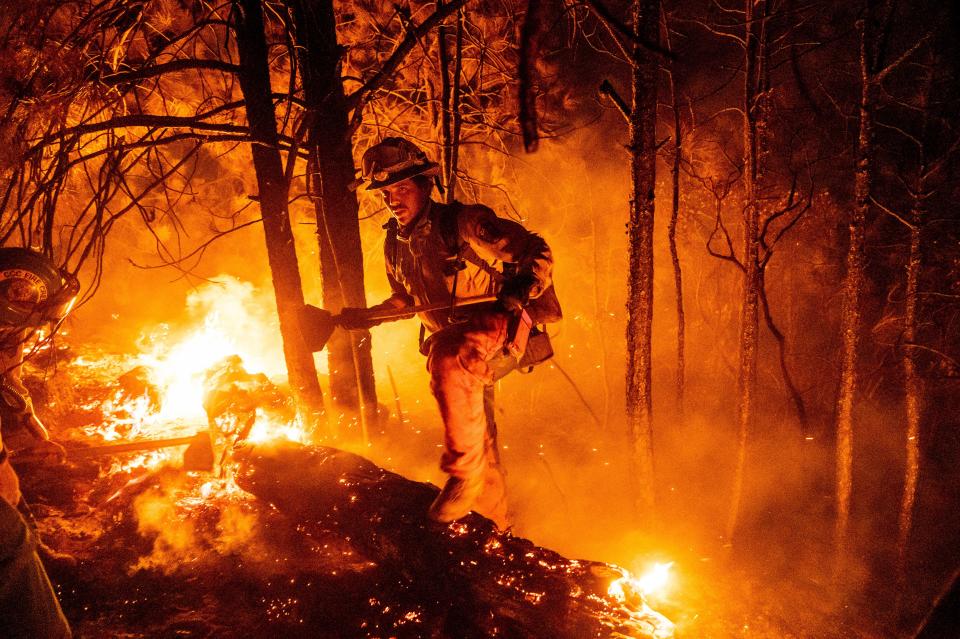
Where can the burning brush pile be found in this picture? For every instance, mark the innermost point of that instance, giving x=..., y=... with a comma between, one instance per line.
x=195, y=508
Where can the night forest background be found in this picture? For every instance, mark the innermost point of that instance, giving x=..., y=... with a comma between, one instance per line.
x=751, y=207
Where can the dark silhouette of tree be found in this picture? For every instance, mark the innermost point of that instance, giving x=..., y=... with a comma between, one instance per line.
x=640, y=46
x=254, y=79
x=764, y=31
x=755, y=124
x=329, y=175
x=874, y=29
x=643, y=158
x=676, y=162
x=921, y=142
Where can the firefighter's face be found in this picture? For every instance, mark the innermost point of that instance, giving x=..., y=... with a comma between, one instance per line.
x=405, y=199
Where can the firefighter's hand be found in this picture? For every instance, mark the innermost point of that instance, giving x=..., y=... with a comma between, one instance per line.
x=356, y=319
x=515, y=292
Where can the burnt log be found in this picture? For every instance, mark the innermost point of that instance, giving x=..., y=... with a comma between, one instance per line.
x=494, y=584
x=137, y=382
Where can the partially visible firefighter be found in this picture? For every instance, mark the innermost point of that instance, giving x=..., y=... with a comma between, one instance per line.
x=34, y=295
x=442, y=253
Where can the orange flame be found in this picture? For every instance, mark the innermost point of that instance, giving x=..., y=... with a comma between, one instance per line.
x=234, y=319
x=651, y=584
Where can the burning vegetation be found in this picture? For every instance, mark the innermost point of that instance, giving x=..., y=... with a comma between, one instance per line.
x=745, y=413
x=244, y=514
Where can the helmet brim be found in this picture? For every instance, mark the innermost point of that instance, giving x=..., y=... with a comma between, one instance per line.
x=430, y=168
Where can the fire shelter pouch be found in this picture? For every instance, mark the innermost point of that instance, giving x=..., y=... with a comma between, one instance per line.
x=539, y=349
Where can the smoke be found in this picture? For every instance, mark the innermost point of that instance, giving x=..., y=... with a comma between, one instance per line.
x=562, y=428
x=190, y=523
x=175, y=537
x=236, y=529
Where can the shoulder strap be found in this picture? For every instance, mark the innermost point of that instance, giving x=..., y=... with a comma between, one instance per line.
x=448, y=225
x=390, y=243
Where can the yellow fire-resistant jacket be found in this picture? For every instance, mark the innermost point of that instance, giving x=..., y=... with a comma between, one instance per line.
x=423, y=265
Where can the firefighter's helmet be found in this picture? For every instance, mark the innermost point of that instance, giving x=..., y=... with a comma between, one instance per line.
x=33, y=291
x=394, y=160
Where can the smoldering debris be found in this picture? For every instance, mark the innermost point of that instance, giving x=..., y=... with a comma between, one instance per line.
x=164, y=552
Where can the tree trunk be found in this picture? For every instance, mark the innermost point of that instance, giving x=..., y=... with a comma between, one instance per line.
x=450, y=119
x=778, y=335
x=672, y=227
x=643, y=120
x=913, y=393
x=912, y=383
x=496, y=584
x=600, y=307
x=455, y=116
x=754, y=126
x=330, y=172
x=254, y=79
x=531, y=34
x=853, y=282
x=446, y=119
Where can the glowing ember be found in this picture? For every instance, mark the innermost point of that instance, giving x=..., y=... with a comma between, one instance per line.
x=268, y=428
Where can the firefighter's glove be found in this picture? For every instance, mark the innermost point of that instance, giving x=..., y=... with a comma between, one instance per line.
x=357, y=319
x=515, y=292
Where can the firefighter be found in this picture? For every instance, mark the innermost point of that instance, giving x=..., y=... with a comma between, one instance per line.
x=438, y=253
x=33, y=293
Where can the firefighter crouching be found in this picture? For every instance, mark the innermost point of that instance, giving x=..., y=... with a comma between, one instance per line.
x=33, y=293
x=438, y=253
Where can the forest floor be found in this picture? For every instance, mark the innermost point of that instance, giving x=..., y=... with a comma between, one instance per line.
x=135, y=581
x=163, y=553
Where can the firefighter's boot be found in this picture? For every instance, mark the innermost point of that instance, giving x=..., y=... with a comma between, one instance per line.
x=456, y=499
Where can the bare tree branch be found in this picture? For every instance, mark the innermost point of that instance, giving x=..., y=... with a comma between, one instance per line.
x=173, y=66
x=361, y=96
x=608, y=90
x=617, y=26
x=141, y=120
x=883, y=73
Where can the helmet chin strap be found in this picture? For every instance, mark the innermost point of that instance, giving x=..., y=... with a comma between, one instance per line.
x=59, y=305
